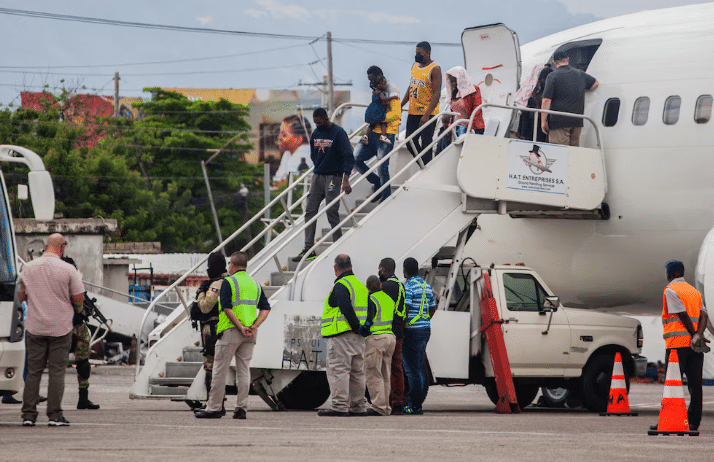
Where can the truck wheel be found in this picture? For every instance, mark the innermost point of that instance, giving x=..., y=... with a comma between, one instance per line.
x=595, y=382
x=308, y=391
x=554, y=397
x=525, y=394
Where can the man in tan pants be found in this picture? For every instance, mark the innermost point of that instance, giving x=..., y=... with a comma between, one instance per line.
x=379, y=347
x=243, y=307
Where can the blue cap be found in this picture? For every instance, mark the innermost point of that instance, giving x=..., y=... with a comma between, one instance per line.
x=674, y=267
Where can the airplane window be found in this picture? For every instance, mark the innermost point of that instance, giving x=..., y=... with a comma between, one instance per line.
x=671, y=110
x=611, y=112
x=703, y=109
x=641, y=110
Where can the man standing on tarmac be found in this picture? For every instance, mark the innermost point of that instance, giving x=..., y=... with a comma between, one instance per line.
x=419, y=299
x=684, y=320
x=423, y=97
x=379, y=347
x=331, y=153
x=207, y=299
x=345, y=309
x=565, y=92
x=393, y=287
x=243, y=308
x=53, y=291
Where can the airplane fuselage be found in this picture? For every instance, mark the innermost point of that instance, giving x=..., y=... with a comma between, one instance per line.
x=660, y=175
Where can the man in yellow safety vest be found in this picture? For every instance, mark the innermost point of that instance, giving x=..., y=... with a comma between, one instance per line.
x=344, y=310
x=242, y=308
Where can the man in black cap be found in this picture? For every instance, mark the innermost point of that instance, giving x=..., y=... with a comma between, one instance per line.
x=207, y=302
x=565, y=92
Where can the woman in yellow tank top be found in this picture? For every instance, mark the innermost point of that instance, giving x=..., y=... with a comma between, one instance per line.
x=423, y=97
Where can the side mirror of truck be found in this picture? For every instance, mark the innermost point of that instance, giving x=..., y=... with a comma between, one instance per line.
x=552, y=302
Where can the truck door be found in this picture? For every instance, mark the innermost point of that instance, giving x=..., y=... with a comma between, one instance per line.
x=492, y=57
x=530, y=351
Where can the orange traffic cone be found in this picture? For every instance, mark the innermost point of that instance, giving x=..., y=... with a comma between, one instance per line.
x=673, y=411
x=618, y=404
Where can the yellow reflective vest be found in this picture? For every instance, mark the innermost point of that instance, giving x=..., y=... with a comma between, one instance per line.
x=245, y=293
x=333, y=321
x=382, y=323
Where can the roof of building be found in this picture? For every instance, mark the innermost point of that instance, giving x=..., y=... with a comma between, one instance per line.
x=240, y=96
x=165, y=263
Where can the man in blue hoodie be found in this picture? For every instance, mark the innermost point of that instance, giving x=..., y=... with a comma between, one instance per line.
x=331, y=154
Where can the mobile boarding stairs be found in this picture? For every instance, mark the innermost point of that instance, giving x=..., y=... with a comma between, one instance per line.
x=431, y=213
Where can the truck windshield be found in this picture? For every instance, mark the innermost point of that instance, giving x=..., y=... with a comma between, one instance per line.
x=8, y=273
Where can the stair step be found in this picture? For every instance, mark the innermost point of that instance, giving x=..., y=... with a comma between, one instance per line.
x=183, y=369
x=192, y=354
x=171, y=381
x=327, y=230
x=270, y=290
x=276, y=279
x=160, y=391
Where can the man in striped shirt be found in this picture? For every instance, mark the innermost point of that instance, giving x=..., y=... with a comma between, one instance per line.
x=419, y=300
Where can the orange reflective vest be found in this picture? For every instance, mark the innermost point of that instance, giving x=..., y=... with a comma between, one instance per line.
x=675, y=334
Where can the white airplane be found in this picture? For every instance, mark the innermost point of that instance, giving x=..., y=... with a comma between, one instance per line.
x=653, y=109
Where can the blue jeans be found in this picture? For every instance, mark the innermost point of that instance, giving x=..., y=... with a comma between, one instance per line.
x=375, y=148
x=413, y=353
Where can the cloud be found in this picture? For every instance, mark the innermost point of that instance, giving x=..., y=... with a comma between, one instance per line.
x=277, y=10
x=205, y=20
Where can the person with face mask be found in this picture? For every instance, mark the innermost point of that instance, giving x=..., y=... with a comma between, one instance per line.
x=423, y=98
x=53, y=291
x=331, y=153
x=393, y=287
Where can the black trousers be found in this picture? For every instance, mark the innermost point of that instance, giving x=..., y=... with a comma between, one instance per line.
x=422, y=139
x=691, y=365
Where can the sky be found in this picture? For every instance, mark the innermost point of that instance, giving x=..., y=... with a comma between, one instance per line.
x=40, y=51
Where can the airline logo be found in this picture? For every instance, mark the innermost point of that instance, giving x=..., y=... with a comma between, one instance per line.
x=530, y=169
x=537, y=162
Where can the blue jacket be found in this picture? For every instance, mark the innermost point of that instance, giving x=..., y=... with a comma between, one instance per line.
x=331, y=151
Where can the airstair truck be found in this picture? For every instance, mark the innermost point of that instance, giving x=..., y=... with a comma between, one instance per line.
x=430, y=216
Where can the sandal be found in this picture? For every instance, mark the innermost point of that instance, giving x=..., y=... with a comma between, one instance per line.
x=384, y=140
x=365, y=140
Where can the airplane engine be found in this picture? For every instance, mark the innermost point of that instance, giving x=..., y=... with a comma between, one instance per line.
x=704, y=271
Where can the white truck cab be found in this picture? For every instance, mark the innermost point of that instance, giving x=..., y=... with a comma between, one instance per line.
x=548, y=345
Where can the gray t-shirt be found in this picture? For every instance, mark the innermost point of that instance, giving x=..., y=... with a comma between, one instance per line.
x=565, y=87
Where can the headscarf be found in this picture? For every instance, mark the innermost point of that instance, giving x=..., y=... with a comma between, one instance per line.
x=526, y=89
x=463, y=83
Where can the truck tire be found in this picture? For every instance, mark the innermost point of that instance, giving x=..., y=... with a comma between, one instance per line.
x=525, y=394
x=308, y=391
x=554, y=397
x=595, y=382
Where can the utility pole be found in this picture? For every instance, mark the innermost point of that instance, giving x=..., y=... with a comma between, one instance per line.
x=116, y=94
x=330, y=89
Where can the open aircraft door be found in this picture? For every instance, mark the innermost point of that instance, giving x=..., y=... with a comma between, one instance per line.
x=492, y=55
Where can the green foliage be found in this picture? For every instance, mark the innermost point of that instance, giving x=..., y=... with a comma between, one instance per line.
x=146, y=174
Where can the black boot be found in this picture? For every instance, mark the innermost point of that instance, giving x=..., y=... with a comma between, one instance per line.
x=209, y=377
x=84, y=402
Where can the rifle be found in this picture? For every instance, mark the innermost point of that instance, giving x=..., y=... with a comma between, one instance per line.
x=89, y=308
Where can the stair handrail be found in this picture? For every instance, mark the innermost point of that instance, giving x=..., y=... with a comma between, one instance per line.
x=548, y=111
x=220, y=246
x=416, y=159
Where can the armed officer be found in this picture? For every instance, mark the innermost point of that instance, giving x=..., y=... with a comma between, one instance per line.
x=81, y=348
x=205, y=311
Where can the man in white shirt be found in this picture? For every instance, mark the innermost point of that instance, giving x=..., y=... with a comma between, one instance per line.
x=294, y=142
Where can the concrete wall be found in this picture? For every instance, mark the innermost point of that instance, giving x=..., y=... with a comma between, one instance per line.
x=85, y=240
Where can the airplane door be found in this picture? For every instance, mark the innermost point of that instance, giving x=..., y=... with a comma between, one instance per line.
x=492, y=56
x=530, y=352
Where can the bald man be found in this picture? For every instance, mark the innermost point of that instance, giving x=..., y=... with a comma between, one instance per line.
x=53, y=291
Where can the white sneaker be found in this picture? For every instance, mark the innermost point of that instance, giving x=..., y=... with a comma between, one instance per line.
x=60, y=422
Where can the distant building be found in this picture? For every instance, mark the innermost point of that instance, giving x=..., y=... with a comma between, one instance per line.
x=81, y=109
x=267, y=110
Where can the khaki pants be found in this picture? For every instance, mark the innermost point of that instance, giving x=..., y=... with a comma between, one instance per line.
x=231, y=344
x=345, y=372
x=53, y=353
x=377, y=368
x=569, y=136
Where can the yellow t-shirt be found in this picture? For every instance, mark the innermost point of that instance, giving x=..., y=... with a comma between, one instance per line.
x=420, y=90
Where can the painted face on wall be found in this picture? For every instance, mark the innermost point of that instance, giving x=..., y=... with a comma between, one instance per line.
x=287, y=140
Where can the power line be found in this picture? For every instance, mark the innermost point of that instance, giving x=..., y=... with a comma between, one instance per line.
x=147, y=63
x=201, y=30
x=255, y=69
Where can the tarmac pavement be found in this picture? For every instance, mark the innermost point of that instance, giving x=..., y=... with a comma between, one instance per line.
x=458, y=424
